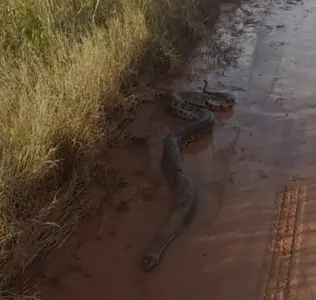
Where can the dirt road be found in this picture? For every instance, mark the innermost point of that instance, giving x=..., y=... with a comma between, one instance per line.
x=253, y=236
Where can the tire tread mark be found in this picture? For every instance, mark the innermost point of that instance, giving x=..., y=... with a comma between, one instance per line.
x=280, y=260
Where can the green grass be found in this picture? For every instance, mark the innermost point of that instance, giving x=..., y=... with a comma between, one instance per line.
x=62, y=64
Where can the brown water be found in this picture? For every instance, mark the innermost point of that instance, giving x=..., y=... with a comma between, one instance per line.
x=253, y=234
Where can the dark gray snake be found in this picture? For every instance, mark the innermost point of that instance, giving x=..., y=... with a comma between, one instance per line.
x=197, y=107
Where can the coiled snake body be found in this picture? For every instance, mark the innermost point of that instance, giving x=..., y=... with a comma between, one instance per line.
x=197, y=107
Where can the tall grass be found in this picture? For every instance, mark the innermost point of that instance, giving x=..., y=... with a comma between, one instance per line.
x=62, y=64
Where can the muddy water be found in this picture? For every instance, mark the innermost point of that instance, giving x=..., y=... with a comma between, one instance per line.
x=252, y=235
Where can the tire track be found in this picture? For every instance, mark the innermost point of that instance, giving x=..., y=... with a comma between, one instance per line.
x=280, y=261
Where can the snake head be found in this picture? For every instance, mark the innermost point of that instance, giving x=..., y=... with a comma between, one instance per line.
x=148, y=261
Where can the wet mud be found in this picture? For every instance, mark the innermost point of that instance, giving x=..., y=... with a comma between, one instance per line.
x=253, y=234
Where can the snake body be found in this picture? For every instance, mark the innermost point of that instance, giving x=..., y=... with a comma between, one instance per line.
x=197, y=107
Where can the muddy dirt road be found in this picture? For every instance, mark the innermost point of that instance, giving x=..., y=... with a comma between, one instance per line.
x=254, y=233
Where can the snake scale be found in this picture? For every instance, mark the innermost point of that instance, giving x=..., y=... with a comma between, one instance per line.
x=197, y=107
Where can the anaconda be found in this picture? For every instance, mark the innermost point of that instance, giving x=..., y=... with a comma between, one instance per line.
x=197, y=107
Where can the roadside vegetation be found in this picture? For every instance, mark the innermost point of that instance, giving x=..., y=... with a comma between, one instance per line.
x=65, y=69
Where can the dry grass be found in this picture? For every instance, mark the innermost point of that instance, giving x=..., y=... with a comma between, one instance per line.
x=62, y=64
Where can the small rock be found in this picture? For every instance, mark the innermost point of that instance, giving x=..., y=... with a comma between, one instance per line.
x=137, y=139
x=146, y=192
x=122, y=184
x=122, y=206
x=263, y=175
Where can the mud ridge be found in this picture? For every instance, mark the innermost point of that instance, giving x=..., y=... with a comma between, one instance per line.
x=281, y=255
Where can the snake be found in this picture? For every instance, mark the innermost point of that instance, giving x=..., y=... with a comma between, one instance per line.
x=197, y=107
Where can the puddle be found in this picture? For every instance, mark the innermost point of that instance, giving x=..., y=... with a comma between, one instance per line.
x=243, y=237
